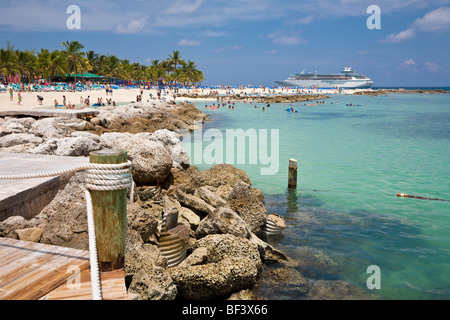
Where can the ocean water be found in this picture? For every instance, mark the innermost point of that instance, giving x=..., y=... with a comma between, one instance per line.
x=352, y=163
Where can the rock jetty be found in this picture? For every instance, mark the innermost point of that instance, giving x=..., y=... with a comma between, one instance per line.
x=217, y=216
x=280, y=98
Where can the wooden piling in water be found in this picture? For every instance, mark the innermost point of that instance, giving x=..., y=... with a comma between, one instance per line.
x=292, y=178
x=110, y=216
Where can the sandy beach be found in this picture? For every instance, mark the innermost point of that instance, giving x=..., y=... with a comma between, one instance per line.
x=120, y=96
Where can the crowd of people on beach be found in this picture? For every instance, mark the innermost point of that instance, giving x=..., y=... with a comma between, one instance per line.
x=230, y=105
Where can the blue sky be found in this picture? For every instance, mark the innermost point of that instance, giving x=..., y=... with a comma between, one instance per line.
x=250, y=41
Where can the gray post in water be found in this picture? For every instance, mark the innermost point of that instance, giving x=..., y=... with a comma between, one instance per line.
x=292, y=179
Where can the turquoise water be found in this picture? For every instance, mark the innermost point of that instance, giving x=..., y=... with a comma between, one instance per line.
x=352, y=163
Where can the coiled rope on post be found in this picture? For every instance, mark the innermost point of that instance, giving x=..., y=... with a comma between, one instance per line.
x=100, y=177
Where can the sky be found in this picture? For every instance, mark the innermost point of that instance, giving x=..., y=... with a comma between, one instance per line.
x=240, y=42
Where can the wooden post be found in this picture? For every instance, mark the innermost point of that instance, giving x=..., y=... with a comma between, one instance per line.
x=292, y=179
x=110, y=216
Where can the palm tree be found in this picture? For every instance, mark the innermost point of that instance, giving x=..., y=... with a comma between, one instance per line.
x=75, y=58
x=175, y=59
x=52, y=63
x=8, y=61
x=27, y=63
x=94, y=60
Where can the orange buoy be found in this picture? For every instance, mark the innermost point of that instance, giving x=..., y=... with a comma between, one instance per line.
x=403, y=195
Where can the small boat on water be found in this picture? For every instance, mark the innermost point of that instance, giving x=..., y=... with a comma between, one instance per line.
x=353, y=105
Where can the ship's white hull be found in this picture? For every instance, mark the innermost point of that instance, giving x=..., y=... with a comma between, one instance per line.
x=361, y=84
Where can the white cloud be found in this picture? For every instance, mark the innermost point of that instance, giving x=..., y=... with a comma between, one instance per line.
x=433, y=67
x=436, y=20
x=399, y=37
x=183, y=6
x=407, y=64
x=286, y=38
x=274, y=51
x=305, y=20
x=187, y=42
x=227, y=48
x=132, y=26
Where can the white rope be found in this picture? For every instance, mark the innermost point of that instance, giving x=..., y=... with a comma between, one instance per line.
x=100, y=177
x=96, y=286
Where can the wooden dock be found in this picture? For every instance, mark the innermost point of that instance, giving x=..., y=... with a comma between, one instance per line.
x=34, y=271
x=27, y=197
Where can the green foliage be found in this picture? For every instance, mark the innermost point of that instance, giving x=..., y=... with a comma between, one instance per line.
x=73, y=60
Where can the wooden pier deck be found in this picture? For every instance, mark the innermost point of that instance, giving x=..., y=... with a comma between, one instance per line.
x=34, y=271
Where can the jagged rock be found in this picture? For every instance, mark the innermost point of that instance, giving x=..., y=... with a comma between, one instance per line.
x=192, y=219
x=44, y=128
x=266, y=251
x=19, y=138
x=88, y=135
x=30, y=234
x=211, y=197
x=221, y=174
x=77, y=146
x=182, y=179
x=141, y=256
x=193, y=202
x=224, y=191
x=275, y=284
x=72, y=123
x=65, y=217
x=20, y=148
x=9, y=226
x=173, y=144
x=112, y=140
x=151, y=161
x=198, y=256
x=222, y=221
x=48, y=147
x=153, y=284
x=24, y=123
x=170, y=203
x=335, y=290
x=221, y=246
x=140, y=220
x=245, y=295
x=214, y=280
x=248, y=206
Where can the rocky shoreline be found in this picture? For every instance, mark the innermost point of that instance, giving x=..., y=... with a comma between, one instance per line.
x=282, y=98
x=389, y=91
x=219, y=216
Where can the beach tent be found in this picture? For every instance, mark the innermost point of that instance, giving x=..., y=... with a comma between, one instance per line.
x=85, y=75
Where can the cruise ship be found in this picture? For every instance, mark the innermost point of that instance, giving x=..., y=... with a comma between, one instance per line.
x=346, y=79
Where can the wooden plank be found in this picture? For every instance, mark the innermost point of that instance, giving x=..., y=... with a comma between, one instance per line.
x=113, y=287
x=36, y=269
x=37, y=282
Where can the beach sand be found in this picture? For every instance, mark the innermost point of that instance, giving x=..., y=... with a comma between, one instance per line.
x=120, y=96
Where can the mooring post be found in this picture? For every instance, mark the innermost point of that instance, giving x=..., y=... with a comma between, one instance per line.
x=110, y=215
x=292, y=179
